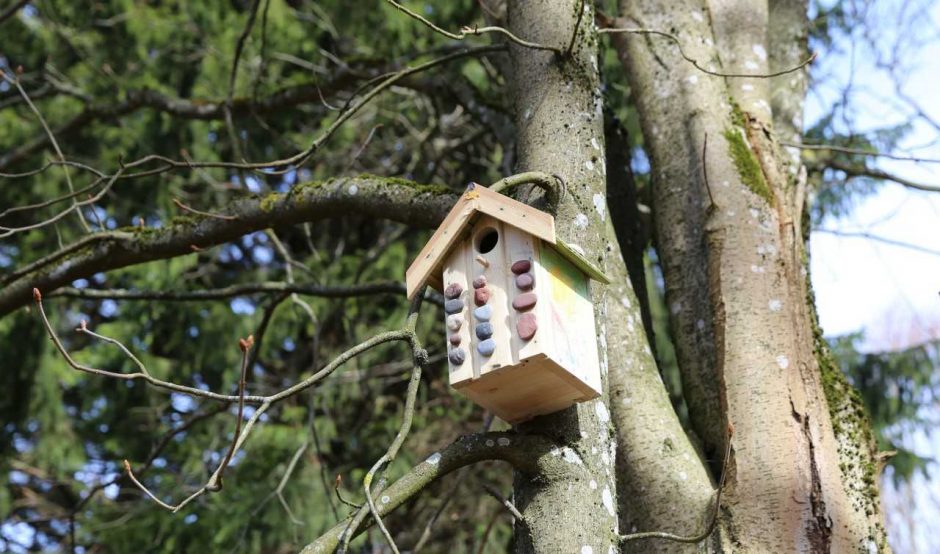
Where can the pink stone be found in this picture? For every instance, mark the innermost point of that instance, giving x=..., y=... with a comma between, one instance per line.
x=453, y=290
x=479, y=282
x=526, y=326
x=525, y=281
x=521, y=266
x=455, y=339
x=524, y=301
x=481, y=296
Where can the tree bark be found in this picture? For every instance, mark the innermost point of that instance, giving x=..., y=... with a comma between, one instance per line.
x=749, y=352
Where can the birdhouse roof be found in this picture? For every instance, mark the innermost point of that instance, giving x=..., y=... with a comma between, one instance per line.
x=428, y=266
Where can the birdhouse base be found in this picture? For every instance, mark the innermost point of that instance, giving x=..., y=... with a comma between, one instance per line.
x=535, y=386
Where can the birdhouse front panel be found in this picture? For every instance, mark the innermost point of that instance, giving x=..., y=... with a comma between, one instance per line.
x=515, y=314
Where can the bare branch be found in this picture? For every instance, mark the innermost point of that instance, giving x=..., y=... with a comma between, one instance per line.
x=368, y=196
x=11, y=11
x=876, y=238
x=852, y=170
x=465, y=31
x=860, y=152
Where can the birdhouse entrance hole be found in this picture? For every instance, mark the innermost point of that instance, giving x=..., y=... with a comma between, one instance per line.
x=487, y=239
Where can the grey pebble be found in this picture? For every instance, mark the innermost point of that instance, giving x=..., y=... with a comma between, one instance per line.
x=484, y=331
x=483, y=313
x=487, y=347
x=457, y=356
x=453, y=306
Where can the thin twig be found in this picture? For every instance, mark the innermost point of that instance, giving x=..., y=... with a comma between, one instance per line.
x=473, y=30
x=713, y=521
x=494, y=492
x=245, y=346
x=694, y=62
x=577, y=25
x=184, y=207
x=876, y=238
x=860, y=152
x=11, y=11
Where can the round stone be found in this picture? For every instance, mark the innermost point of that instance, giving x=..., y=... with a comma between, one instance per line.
x=484, y=330
x=526, y=326
x=454, y=339
x=483, y=313
x=453, y=306
x=479, y=282
x=454, y=322
x=521, y=266
x=525, y=281
x=481, y=296
x=487, y=347
x=453, y=290
x=457, y=356
x=524, y=301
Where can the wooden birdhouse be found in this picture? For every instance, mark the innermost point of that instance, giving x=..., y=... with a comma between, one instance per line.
x=519, y=315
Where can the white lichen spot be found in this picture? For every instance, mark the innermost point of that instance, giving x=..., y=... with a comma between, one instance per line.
x=676, y=307
x=626, y=401
x=751, y=65
x=625, y=302
x=700, y=324
x=581, y=221
x=528, y=113
x=587, y=550
x=757, y=268
x=697, y=15
x=593, y=484
x=601, y=409
x=775, y=305
x=754, y=212
x=594, y=450
x=353, y=189
x=385, y=499
x=567, y=454
x=608, y=500
x=589, y=165
x=759, y=51
x=709, y=42
x=725, y=184
x=502, y=441
x=684, y=476
x=783, y=361
x=761, y=105
x=731, y=213
x=747, y=87
x=600, y=206
x=434, y=459
x=595, y=144
x=692, y=79
x=489, y=442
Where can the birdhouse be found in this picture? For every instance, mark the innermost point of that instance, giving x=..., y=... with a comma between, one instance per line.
x=519, y=318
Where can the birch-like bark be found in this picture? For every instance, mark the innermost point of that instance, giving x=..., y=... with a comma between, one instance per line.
x=733, y=261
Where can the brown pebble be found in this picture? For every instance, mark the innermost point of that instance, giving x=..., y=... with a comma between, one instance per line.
x=481, y=296
x=526, y=326
x=520, y=267
x=455, y=339
x=525, y=281
x=524, y=301
x=453, y=290
x=479, y=282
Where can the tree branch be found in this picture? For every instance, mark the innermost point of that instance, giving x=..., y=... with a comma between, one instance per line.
x=369, y=196
x=526, y=453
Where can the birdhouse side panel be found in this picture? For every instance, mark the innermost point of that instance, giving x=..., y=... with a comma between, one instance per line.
x=571, y=317
x=458, y=329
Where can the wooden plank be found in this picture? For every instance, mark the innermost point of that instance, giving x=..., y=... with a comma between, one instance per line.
x=581, y=262
x=455, y=271
x=519, y=215
x=495, y=271
x=431, y=257
x=520, y=245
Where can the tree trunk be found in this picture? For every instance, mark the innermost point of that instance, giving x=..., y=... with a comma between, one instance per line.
x=728, y=227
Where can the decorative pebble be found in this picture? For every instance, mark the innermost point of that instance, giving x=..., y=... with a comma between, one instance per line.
x=481, y=296
x=524, y=301
x=484, y=331
x=520, y=267
x=457, y=356
x=483, y=313
x=453, y=306
x=454, y=322
x=526, y=326
x=454, y=339
x=487, y=347
x=479, y=282
x=453, y=290
x=525, y=281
